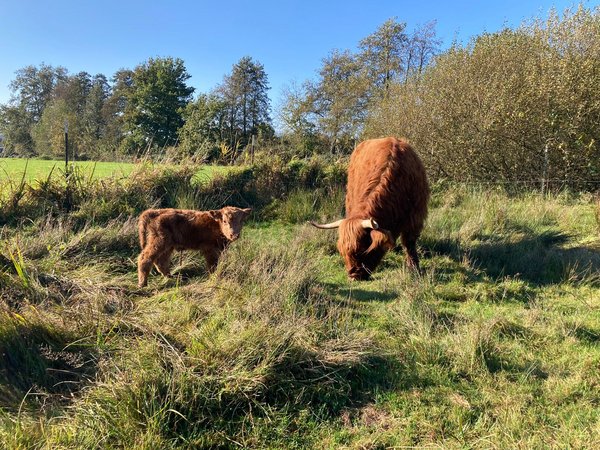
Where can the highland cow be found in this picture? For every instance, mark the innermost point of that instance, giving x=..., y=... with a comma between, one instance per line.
x=386, y=197
x=162, y=231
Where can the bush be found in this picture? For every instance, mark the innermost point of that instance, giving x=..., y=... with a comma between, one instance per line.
x=265, y=187
x=519, y=105
x=96, y=200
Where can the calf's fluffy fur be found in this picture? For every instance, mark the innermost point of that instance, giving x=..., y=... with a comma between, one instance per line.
x=162, y=231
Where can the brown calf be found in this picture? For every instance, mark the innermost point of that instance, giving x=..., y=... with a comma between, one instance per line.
x=164, y=230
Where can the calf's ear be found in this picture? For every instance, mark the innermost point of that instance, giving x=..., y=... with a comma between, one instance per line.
x=247, y=210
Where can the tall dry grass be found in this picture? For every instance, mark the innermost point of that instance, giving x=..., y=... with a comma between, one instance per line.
x=494, y=346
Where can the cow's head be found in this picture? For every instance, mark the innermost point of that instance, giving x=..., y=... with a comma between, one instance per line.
x=362, y=244
x=231, y=221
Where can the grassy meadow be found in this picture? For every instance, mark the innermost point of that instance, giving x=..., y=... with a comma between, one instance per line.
x=14, y=169
x=31, y=171
x=496, y=345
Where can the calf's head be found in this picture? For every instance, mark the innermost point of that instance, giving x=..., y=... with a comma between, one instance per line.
x=361, y=243
x=231, y=221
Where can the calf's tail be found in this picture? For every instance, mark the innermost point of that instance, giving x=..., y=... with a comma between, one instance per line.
x=143, y=221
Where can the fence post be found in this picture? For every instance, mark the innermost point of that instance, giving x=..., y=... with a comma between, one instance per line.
x=68, y=197
x=545, y=170
x=66, y=145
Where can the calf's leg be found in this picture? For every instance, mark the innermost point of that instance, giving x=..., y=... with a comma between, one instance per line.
x=163, y=261
x=144, y=265
x=149, y=256
x=211, y=255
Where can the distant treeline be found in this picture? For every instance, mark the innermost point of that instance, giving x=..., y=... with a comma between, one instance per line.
x=147, y=109
x=517, y=105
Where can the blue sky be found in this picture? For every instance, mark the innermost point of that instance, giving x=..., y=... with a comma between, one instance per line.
x=288, y=37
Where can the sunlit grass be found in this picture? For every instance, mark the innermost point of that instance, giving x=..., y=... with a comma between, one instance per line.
x=13, y=169
x=495, y=345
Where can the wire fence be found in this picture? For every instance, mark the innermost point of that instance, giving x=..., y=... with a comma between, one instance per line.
x=532, y=185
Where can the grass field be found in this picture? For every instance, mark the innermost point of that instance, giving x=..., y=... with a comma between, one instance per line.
x=497, y=345
x=35, y=169
x=12, y=169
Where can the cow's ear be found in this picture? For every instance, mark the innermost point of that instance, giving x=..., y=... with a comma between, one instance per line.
x=390, y=242
x=381, y=238
x=247, y=210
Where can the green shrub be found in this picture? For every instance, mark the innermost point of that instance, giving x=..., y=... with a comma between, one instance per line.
x=98, y=200
x=517, y=105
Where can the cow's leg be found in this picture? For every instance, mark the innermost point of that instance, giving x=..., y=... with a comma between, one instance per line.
x=409, y=241
x=163, y=262
x=211, y=255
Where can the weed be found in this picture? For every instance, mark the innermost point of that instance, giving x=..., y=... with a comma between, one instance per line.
x=17, y=260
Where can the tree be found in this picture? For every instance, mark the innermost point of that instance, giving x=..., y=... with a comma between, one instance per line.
x=244, y=92
x=68, y=102
x=48, y=134
x=334, y=105
x=74, y=90
x=33, y=87
x=519, y=104
x=421, y=47
x=382, y=54
x=155, y=102
x=32, y=90
x=113, y=109
x=15, y=126
x=203, y=129
x=80, y=99
x=339, y=99
x=93, y=118
x=297, y=115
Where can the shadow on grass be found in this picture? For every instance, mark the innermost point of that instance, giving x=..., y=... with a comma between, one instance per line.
x=495, y=362
x=587, y=335
x=358, y=293
x=40, y=366
x=188, y=273
x=302, y=381
x=537, y=258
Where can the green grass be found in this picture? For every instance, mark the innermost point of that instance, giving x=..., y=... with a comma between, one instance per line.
x=38, y=169
x=495, y=346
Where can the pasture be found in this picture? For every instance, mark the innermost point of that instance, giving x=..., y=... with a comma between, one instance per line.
x=497, y=345
x=13, y=170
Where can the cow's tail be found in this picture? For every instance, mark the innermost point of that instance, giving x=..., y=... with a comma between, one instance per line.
x=143, y=221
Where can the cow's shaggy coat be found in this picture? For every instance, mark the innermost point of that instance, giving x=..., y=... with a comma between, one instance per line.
x=162, y=231
x=388, y=185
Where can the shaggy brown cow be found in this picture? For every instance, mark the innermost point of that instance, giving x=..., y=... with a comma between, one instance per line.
x=386, y=197
x=164, y=230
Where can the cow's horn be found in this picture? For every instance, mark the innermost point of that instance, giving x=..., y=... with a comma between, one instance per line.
x=328, y=226
x=370, y=223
